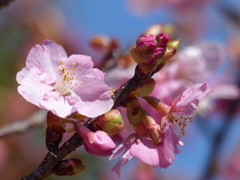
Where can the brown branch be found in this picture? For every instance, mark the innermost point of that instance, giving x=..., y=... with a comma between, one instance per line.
x=52, y=159
x=4, y=3
x=36, y=119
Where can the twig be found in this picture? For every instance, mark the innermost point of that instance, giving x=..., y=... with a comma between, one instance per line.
x=52, y=159
x=36, y=119
x=4, y=3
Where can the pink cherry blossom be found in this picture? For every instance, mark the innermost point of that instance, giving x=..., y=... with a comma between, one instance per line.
x=145, y=149
x=98, y=143
x=196, y=63
x=183, y=107
x=62, y=84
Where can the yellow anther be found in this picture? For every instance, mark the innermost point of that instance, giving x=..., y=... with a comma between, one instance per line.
x=74, y=64
x=79, y=68
x=72, y=68
x=61, y=62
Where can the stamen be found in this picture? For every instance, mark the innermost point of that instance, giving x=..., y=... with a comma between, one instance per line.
x=179, y=122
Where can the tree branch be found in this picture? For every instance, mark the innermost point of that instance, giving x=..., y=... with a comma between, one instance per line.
x=4, y=3
x=36, y=119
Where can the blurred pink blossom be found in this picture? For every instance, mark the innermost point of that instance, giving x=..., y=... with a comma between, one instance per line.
x=63, y=85
x=147, y=6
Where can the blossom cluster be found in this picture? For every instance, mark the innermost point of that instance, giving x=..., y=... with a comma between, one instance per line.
x=79, y=100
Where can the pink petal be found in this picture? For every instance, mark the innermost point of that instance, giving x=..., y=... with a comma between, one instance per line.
x=146, y=151
x=47, y=57
x=187, y=102
x=95, y=96
x=56, y=103
x=121, y=162
x=117, y=151
x=33, y=85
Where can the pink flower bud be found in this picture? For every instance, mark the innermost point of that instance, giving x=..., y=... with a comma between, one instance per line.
x=162, y=40
x=146, y=42
x=98, y=143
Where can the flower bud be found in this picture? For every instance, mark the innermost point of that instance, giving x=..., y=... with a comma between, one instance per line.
x=53, y=119
x=110, y=122
x=135, y=55
x=54, y=132
x=152, y=127
x=162, y=40
x=98, y=143
x=134, y=113
x=53, y=137
x=69, y=167
x=146, y=42
x=146, y=89
x=149, y=50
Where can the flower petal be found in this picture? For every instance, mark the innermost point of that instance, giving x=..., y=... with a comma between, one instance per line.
x=33, y=84
x=56, y=103
x=146, y=151
x=95, y=96
x=46, y=57
x=121, y=162
x=187, y=102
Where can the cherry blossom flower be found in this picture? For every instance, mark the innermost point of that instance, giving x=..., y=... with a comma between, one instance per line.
x=145, y=149
x=62, y=84
x=182, y=108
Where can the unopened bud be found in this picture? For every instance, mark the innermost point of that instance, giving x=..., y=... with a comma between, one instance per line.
x=53, y=137
x=162, y=40
x=54, y=132
x=135, y=55
x=53, y=119
x=134, y=116
x=146, y=89
x=110, y=122
x=69, y=167
x=98, y=143
x=134, y=113
x=170, y=51
x=146, y=42
x=152, y=127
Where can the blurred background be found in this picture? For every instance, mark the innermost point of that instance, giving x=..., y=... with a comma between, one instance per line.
x=210, y=27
